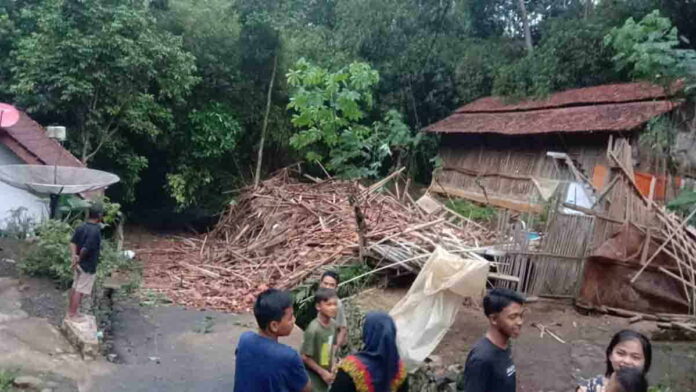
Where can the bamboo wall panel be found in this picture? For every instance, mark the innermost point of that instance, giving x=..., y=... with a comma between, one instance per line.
x=506, y=157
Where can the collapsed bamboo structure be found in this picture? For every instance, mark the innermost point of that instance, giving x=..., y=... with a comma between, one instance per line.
x=283, y=231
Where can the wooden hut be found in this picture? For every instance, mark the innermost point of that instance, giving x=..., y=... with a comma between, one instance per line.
x=597, y=248
x=511, y=154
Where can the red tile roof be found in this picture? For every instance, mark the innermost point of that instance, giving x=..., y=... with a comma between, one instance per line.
x=29, y=141
x=617, y=107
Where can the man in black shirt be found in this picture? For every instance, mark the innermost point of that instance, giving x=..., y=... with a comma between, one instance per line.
x=84, y=250
x=489, y=366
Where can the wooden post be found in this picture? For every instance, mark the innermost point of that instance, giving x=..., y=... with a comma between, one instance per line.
x=361, y=226
x=646, y=246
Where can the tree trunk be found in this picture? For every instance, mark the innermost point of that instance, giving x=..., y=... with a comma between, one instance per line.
x=588, y=8
x=525, y=24
x=265, y=121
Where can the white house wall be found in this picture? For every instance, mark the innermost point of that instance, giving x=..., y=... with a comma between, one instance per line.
x=12, y=198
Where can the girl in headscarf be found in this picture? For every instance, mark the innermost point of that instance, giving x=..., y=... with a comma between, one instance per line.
x=377, y=368
x=627, y=349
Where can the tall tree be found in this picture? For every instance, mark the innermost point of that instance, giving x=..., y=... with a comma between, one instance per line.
x=264, y=127
x=103, y=69
x=525, y=25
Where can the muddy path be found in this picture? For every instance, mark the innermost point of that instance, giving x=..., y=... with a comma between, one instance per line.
x=169, y=348
x=544, y=364
x=153, y=347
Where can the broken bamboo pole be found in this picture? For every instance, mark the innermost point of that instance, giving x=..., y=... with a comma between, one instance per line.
x=664, y=244
x=667, y=272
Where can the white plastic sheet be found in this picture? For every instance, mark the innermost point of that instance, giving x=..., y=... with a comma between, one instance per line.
x=429, y=309
x=577, y=195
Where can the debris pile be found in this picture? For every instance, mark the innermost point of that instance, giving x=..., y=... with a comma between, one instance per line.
x=671, y=232
x=285, y=230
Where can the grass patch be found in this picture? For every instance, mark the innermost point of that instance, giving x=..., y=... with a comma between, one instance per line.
x=471, y=210
x=6, y=378
x=660, y=388
x=205, y=326
x=151, y=298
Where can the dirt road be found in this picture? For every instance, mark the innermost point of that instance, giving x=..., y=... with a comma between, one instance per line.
x=168, y=348
x=544, y=364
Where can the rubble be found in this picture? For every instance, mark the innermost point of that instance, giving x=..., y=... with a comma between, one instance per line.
x=27, y=382
x=82, y=334
x=283, y=231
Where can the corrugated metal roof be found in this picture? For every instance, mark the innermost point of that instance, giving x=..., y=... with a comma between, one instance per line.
x=32, y=137
x=615, y=107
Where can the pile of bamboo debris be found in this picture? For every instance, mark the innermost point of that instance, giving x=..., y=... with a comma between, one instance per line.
x=285, y=230
x=668, y=229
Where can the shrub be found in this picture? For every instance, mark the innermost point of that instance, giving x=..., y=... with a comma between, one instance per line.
x=471, y=210
x=6, y=379
x=50, y=256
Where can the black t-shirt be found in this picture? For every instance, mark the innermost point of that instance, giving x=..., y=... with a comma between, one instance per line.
x=489, y=368
x=88, y=236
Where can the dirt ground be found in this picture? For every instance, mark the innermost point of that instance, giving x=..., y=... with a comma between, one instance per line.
x=152, y=251
x=156, y=347
x=544, y=364
x=40, y=297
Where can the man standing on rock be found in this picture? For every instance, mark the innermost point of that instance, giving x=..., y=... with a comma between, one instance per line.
x=489, y=366
x=84, y=250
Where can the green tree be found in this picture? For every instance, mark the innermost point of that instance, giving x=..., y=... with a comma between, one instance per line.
x=103, y=69
x=205, y=147
x=330, y=110
x=570, y=55
x=649, y=49
x=211, y=136
x=7, y=37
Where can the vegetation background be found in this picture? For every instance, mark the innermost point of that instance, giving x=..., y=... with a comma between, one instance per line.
x=188, y=100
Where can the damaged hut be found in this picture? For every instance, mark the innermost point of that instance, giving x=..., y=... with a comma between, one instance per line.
x=607, y=241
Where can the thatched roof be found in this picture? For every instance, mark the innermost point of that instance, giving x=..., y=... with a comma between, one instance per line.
x=616, y=107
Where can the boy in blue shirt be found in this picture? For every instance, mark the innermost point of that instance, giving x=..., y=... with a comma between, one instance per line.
x=263, y=364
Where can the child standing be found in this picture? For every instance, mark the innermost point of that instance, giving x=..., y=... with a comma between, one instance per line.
x=329, y=280
x=263, y=364
x=319, y=341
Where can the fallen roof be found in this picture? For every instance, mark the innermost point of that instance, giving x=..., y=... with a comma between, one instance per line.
x=617, y=107
x=29, y=141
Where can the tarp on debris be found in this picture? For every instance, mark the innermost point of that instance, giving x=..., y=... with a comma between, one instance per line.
x=429, y=309
x=609, y=269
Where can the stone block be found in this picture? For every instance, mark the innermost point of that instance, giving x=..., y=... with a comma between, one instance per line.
x=27, y=382
x=82, y=335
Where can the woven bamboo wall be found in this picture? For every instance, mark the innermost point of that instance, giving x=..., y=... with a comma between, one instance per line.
x=552, y=267
x=504, y=165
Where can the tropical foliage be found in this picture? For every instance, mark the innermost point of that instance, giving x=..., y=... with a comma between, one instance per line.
x=174, y=95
